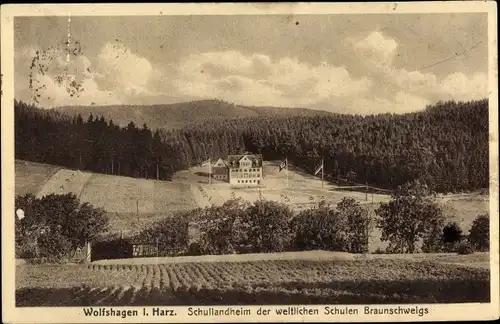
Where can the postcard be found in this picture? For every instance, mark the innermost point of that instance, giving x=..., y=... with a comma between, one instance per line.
x=249, y=162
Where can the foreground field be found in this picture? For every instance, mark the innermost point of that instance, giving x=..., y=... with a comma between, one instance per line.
x=257, y=282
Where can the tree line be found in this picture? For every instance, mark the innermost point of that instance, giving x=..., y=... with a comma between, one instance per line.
x=412, y=221
x=445, y=146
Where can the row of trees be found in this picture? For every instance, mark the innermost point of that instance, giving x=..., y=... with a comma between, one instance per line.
x=261, y=227
x=412, y=221
x=57, y=225
x=445, y=147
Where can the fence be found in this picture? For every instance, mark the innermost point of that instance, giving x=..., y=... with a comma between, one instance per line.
x=125, y=248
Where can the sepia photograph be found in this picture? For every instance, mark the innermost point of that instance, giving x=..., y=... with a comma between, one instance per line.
x=169, y=163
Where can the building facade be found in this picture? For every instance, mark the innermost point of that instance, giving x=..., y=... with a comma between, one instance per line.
x=220, y=171
x=242, y=170
x=245, y=169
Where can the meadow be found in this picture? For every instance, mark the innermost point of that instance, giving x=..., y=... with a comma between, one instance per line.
x=357, y=281
x=123, y=198
x=30, y=177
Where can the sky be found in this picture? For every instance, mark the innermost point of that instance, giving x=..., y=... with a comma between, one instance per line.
x=359, y=64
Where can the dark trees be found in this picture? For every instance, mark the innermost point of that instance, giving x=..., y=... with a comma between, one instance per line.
x=444, y=147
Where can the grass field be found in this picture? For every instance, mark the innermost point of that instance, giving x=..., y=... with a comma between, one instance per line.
x=66, y=181
x=303, y=190
x=30, y=177
x=120, y=197
x=295, y=281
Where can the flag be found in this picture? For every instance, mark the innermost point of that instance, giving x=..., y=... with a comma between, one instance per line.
x=283, y=164
x=318, y=168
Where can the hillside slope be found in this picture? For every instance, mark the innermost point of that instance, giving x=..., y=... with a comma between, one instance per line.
x=129, y=202
x=180, y=114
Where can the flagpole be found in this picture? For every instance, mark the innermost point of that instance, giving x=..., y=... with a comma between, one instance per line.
x=286, y=162
x=322, y=171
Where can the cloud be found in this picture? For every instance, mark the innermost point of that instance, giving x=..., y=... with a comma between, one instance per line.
x=458, y=86
x=55, y=81
x=258, y=80
x=400, y=90
x=118, y=75
x=125, y=72
x=376, y=49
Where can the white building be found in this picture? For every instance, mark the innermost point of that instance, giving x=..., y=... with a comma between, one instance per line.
x=244, y=169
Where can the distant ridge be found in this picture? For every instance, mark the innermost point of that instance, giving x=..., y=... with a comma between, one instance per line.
x=178, y=115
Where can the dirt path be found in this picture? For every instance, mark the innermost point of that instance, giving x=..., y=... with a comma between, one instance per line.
x=305, y=256
x=66, y=181
x=476, y=260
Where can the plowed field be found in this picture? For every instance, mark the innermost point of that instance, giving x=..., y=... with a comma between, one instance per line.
x=260, y=282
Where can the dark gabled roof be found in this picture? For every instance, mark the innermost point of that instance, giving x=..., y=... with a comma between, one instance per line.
x=233, y=159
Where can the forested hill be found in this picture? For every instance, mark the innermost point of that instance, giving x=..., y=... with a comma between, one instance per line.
x=178, y=115
x=445, y=146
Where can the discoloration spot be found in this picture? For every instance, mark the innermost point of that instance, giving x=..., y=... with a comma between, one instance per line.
x=43, y=62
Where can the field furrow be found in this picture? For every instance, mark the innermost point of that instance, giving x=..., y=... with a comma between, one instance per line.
x=260, y=282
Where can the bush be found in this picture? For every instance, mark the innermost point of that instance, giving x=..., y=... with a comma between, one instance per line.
x=452, y=233
x=451, y=237
x=433, y=240
x=55, y=225
x=194, y=249
x=358, y=225
x=465, y=248
x=218, y=235
x=264, y=226
x=479, y=233
x=411, y=215
x=171, y=234
x=53, y=245
x=320, y=228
